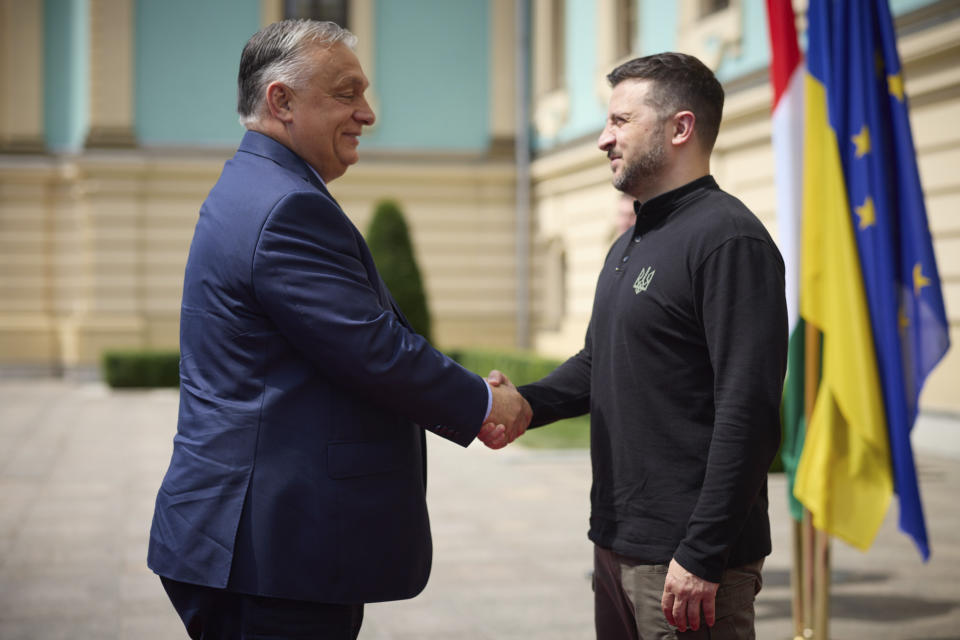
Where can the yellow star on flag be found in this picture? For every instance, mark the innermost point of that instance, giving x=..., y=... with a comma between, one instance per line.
x=904, y=320
x=866, y=213
x=862, y=140
x=919, y=280
x=895, y=83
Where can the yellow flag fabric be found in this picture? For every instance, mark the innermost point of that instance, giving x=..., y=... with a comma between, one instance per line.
x=844, y=476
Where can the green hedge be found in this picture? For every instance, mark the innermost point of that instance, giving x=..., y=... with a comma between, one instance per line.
x=131, y=368
x=135, y=368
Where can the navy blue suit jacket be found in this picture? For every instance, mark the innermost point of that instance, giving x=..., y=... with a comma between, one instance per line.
x=298, y=468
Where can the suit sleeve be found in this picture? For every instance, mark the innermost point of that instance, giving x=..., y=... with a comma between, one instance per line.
x=309, y=275
x=564, y=392
x=741, y=291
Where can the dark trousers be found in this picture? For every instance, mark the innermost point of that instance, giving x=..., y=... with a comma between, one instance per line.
x=217, y=614
x=627, y=601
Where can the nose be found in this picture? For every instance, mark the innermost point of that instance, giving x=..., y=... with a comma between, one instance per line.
x=606, y=140
x=364, y=114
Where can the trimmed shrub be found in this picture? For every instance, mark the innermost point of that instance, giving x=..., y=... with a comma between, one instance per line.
x=389, y=242
x=138, y=368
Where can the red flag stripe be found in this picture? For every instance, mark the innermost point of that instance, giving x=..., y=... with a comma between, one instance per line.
x=783, y=44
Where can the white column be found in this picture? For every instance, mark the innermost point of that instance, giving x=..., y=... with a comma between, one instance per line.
x=111, y=74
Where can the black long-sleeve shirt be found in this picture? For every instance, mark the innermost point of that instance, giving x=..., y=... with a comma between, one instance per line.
x=682, y=373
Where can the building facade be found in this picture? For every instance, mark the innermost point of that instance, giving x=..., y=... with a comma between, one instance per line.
x=117, y=115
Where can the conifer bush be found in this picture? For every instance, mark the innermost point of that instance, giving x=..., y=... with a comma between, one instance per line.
x=389, y=242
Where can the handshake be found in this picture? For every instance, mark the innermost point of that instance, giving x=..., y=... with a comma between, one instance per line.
x=509, y=416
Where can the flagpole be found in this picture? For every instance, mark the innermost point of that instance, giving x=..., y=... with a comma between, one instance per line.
x=806, y=575
x=786, y=78
x=821, y=581
x=797, y=581
x=815, y=544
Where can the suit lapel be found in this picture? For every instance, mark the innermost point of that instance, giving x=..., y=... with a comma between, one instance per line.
x=265, y=146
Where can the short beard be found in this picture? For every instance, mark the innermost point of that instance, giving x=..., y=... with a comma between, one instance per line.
x=647, y=166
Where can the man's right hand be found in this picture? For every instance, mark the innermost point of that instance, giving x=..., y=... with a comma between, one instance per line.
x=509, y=416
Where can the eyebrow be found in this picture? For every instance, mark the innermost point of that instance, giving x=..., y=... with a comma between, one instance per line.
x=353, y=80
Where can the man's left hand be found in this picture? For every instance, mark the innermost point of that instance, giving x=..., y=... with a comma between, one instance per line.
x=684, y=594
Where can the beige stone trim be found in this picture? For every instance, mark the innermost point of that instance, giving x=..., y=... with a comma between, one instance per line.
x=503, y=90
x=21, y=76
x=93, y=247
x=270, y=11
x=462, y=220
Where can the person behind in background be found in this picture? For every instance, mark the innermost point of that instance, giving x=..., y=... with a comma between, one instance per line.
x=296, y=489
x=681, y=371
x=626, y=217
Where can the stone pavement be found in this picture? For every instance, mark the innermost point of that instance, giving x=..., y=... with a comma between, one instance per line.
x=80, y=466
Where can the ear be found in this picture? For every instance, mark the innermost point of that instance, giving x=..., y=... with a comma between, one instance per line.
x=683, y=125
x=279, y=99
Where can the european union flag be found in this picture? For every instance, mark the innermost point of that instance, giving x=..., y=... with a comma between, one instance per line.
x=868, y=111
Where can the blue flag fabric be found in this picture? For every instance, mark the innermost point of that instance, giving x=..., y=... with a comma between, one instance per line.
x=852, y=47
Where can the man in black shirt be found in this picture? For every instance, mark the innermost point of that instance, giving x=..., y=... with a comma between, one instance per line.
x=682, y=372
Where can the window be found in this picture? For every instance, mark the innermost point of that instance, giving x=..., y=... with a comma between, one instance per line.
x=711, y=29
x=555, y=292
x=332, y=10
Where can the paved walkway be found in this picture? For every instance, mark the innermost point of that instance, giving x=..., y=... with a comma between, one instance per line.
x=80, y=465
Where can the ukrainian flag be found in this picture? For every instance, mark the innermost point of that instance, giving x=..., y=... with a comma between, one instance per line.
x=869, y=280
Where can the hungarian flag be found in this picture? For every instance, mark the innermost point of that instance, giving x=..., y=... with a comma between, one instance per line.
x=787, y=77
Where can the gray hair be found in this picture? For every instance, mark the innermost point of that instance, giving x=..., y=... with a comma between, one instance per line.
x=278, y=53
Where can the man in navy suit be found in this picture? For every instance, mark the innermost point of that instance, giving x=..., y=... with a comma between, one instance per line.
x=296, y=490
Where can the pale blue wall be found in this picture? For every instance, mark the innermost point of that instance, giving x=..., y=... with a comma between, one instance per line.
x=432, y=76
x=187, y=57
x=66, y=73
x=658, y=26
x=432, y=73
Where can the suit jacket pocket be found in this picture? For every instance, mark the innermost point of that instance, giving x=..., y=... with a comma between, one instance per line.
x=353, y=459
